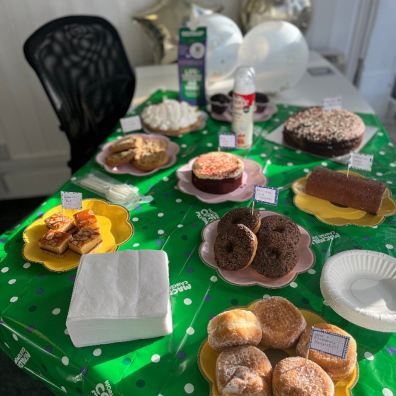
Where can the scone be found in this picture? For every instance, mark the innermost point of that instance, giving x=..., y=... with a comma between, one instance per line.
x=335, y=366
x=85, y=240
x=120, y=158
x=233, y=328
x=243, y=371
x=86, y=218
x=55, y=241
x=60, y=222
x=281, y=322
x=296, y=376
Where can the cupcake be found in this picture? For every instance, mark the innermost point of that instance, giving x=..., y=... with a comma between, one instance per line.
x=219, y=103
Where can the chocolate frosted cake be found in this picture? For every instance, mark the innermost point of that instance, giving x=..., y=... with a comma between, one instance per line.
x=324, y=132
x=217, y=172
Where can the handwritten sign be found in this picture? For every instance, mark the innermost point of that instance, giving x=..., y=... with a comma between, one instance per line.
x=227, y=140
x=130, y=124
x=361, y=161
x=71, y=200
x=327, y=342
x=267, y=195
x=332, y=103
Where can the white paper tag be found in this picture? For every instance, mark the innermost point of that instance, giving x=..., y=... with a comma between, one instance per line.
x=332, y=103
x=71, y=200
x=327, y=342
x=130, y=124
x=268, y=195
x=361, y=161
x=227, y=140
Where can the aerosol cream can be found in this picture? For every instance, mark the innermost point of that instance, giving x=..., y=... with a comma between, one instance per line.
x=243, y=106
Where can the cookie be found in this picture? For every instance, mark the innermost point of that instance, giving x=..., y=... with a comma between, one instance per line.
x=126, y=143
x=120, y=158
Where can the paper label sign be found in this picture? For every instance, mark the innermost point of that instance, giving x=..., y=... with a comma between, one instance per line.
x=71, y=200
x=268, y=195
x=361, y=161
x=227, y=140
x=332, y=103
x=327, y=342
x=130, y=124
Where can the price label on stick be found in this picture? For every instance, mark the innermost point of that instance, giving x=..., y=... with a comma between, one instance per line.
x=361, y=161
x=130, y=124
x=71, y=200
x=332, y=103
x=327, y=342
x=227, y=140
x=267, y=195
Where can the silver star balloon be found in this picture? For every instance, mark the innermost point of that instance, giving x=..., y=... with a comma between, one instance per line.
x=163, y=21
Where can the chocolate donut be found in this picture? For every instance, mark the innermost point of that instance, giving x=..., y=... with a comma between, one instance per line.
x=275, y=256
x=235, y=248
x=247, y=217
x=279, y=225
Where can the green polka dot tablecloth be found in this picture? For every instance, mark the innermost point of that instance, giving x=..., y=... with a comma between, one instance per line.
x=34, y=302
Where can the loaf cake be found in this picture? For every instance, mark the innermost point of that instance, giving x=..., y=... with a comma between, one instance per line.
x=217, y=172
x=324, y=132
x=346, y=190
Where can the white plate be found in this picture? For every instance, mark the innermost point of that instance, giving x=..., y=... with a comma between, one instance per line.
x=360, y=285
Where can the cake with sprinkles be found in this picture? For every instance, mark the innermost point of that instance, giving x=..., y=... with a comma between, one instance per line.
x=327, y=133
x=217, y=172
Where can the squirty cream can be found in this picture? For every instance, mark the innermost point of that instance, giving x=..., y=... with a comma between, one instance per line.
x=243, y=98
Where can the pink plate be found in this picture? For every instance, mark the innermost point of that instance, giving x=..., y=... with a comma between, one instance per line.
x=172, y=150
x=248, y=276
x=252, y=175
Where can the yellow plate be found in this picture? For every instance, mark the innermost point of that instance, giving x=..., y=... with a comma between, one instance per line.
x=207, y=362
x=329, y=213
x=114, y=225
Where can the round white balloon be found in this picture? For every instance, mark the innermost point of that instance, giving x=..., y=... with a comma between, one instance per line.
x=222, y=45
x=278, y=52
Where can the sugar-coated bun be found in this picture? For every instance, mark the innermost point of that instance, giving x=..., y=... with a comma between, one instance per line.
x=281, y=322
x=296, y=376
x=243, y=371
x=233, y=328
x=336, y=367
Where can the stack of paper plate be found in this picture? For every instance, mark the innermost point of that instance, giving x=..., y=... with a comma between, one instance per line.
x=360, y=285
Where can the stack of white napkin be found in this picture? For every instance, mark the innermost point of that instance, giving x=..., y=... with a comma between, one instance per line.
x=119, y=297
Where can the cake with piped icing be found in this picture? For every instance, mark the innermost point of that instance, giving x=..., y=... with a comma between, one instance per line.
x=324, y=132
x=171, y=117
x=217, y=172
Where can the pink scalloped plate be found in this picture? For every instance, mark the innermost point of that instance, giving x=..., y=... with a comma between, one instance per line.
x=172, y=151
x=249, y=276
x=252, y=175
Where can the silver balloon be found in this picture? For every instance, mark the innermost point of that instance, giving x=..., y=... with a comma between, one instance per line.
x=297, y=12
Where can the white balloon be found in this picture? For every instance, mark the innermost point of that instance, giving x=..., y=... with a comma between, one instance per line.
x=223, y=41
x=278, y=52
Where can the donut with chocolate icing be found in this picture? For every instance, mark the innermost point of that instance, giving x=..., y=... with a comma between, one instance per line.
x=296, y=376
x=276, y=255
x=279, y=225
x=235, y=249
x=251, y=219
x=243, y=371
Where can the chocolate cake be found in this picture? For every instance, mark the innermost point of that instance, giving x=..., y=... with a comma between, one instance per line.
x=352, y=191
x=217, y=172
x=324, y=132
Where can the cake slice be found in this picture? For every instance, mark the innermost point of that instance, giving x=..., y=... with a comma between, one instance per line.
x=55, y=241
x=60, y=222
x=85, y=240
x=86, y=218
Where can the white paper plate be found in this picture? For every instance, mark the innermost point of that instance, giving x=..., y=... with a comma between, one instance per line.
x=360, y=285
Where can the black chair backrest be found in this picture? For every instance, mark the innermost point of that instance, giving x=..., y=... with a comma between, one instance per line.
x=83, y=67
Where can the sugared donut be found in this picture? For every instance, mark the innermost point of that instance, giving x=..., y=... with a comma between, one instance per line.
x=243, y=371
x=234, y=328
x=275, y=256
x=235, y=248
x=296, y=376
x=335, y=366
x=247, y=217
x=281, y=322
x=281, y=225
